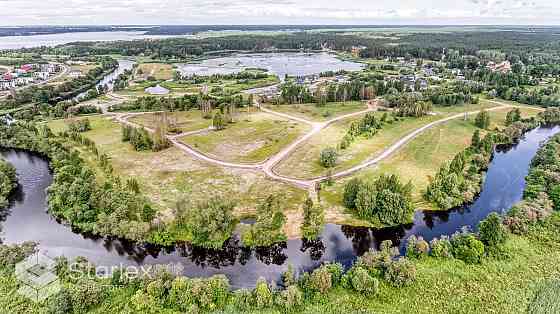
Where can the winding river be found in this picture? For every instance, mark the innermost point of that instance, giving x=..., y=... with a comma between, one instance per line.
x=26, y=220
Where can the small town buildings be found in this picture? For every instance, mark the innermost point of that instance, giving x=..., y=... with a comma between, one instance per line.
x=75, y=74
x=41, y=75
x=503, y=67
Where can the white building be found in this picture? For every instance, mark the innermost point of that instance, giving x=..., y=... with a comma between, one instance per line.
x=41, y=75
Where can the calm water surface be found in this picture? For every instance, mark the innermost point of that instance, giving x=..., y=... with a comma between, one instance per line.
x=27, y=220
x=280, y=64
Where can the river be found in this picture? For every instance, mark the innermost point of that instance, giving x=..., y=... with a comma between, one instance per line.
x=109, y=79
x=27, y=220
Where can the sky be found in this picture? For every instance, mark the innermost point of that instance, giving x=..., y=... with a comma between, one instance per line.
x=354, y=12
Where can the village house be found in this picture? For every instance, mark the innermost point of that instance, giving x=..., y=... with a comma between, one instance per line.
x=41, y=75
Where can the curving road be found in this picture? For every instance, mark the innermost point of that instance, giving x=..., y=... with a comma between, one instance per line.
x=268, y=165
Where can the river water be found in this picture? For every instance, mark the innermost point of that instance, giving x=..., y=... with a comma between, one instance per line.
x=109, y=79
x=27, y=220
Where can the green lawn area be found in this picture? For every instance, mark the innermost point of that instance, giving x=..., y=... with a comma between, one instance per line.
x=186, y=121
x=166, y=176
x=161, y=71
x=254, y=137
x=315, y=113
x=418, y=160
x=304, y=161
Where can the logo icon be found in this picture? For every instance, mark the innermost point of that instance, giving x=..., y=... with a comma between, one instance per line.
x=38, y=276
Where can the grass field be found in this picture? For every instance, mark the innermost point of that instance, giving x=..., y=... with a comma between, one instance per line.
x=419, y=159
x=170, y=174
x=254, y=137
x=185, y=121
x=304, y=162
x=315, y=113
x=161, y=71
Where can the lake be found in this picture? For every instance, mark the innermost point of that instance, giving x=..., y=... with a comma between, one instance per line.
x=279, y=64
x=17, y=42
x=27, y=220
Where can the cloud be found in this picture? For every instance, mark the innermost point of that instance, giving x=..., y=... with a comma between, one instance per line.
x=26, y=12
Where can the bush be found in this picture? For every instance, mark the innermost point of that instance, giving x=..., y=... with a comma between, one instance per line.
x=242, y=299
x=79, y=126
x=268, y=229
x=386, y=199
x=13, y=254
x=400, y=273
x=351, y=192
x=321, y=279
x=328, y=157
x=85, y=294
x=60, y=303
x=313, y=220
x=262, y=294
x=467, y=247
x=482, y=119
x=291, y=297
x=417, y=247
x=491, y=231
x=528, y=212
x=211, y=223
x=441, y=248
x=363, y=282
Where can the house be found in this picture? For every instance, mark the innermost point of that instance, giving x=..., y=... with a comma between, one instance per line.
x=75, y=74
x=7, y=84
x=503, y=67
x=41, y=75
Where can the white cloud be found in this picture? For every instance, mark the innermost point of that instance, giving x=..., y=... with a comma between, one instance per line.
x=33, y=12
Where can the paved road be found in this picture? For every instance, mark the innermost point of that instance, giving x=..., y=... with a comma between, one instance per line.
x=268, y=165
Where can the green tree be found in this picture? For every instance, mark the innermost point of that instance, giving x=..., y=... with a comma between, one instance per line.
x=313, y=220
x=328, y=157
x=492, y=231
x=211, y=223
x=351, y=192
x=218, y=121
x=482, y=119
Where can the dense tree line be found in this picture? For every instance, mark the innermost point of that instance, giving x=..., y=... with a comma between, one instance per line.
x=8, y=182
x=183, y=103
x=75, y=196
x=269, y=226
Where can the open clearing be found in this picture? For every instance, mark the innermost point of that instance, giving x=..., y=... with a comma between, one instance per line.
x=315, y=113
x=185, y=121
x=160, y=71
x=252, y=138
x=418, y=160
x=169, y=175
x=304, y=161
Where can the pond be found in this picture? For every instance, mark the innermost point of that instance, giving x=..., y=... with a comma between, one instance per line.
x=279, y=64
x=27, y=220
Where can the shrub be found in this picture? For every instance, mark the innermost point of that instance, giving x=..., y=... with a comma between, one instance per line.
x=79, y=126
x=350, y=193
x=401, y=272
x=386, y=199
x=321, y=279
x=86, y=293
x=60, y=303
x=289, y=276
x=555, y=196
x=291, y=297
x=363, y=282
x=211, y=223
x=242, y=299
x=467, y=247
x=492, y=231
x=328, y=157
x=441, y=248
x=482, y=119
x=417, y=247
x=262, y=294
x=313, y=220
x=268, y=229
x=218, y=122
x=12, y=254
x=527, y=212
